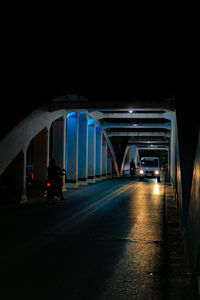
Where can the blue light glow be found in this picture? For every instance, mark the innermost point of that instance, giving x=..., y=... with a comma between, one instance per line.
x=90, y=121
x=172, y=121
x=71, y=115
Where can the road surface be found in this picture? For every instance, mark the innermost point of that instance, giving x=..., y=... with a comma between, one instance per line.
x=106, y=241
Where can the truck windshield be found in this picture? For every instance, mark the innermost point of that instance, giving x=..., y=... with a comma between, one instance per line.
x=149, y=162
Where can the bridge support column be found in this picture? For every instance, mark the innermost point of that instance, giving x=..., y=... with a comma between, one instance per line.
x=83, y=150
x=72, y=149
x=134, y=154
x=109, y=166
x=122, y=170
x=58, y=144
x=15, y=178
x=130, y=154
x=98, y=153
x=128, y=159
x=41, y=156
x=22, y=178
x=172, y=159
x=137, y=157
x=104, y=158
x=91, y=150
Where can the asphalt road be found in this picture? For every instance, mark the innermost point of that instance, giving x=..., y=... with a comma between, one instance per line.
x=106, y=241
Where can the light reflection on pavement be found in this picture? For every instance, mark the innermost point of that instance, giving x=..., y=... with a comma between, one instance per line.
x=104, y=243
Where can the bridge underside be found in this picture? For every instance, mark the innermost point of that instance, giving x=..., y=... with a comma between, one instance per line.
x=126, y=121
x=109, y=131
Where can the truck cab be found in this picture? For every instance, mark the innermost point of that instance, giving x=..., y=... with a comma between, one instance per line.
x=149, y=167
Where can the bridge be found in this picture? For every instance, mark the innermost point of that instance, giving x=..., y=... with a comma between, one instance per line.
x=96, y=140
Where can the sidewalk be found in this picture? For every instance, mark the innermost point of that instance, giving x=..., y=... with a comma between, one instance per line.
x=178, y=283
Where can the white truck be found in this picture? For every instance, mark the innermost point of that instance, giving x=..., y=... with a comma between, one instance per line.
x=149, y=167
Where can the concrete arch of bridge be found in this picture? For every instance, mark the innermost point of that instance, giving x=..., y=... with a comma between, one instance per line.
x=45, y=130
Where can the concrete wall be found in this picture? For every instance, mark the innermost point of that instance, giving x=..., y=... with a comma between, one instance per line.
x=187, y=184
x=193, y=230
x=14, y=178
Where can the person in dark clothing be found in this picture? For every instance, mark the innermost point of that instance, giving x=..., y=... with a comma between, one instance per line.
x=55, y=173
x=132, y=167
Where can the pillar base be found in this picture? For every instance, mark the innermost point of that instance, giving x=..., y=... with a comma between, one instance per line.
x=92, y=180
x=82, y=181
x=72, y=185
x=23, y=199
x=64, y=188
x=98, y=178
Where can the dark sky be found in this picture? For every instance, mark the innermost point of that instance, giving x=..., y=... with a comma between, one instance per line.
x=36, y=69
x=32, y=84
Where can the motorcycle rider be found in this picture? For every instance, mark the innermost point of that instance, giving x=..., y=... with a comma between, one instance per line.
x=55, y=174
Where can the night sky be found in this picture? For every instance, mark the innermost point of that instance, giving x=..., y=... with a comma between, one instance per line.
x=36, y=69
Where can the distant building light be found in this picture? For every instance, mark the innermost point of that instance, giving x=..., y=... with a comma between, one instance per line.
x=134, y=124
x=130, y=111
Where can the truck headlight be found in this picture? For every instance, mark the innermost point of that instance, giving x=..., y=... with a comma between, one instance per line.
x=156, y=172
x=141, y=172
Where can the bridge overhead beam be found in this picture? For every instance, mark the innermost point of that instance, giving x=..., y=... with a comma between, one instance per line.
x=139, y=134
x=126, y=115
x=76, y=101
x=135, y=126
x=122, y=109
x=147, y=141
